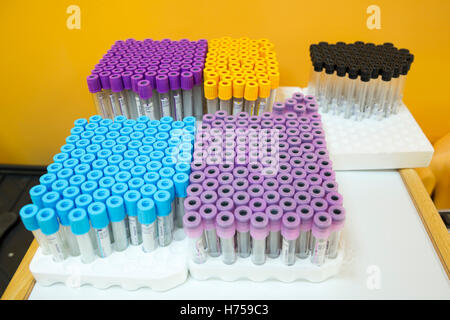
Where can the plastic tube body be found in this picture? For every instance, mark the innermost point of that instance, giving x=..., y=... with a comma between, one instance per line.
x=156, y=104
x=148, y=108
x=361, y=96
x=237, y=105
x=42, y=241
x=333, y=243
x=197, y=250
x=288, y=251
x=120, y=235
x=135, y=230
x=273, y=244
x=131, y=104
x=262, y=105
x=118, y=104
x=69, y=239
x=212, y=242
x=164, y=102
x=177, y=102
x=165, y=230
x=250, y=107
x=318, y=250
x=103, y=242
x=314, y=82
x=273, y=94
x=87, y=251
x=149, y=237
x=179, y=211
x=198, y=102
x=57, y=247
x=188, y=106
x=225, y=105
x=303, y=244
x=243, y=244
x=228, y=252
x=102, y=104
x=258, y=251
x=350, y=97
x=212, y=105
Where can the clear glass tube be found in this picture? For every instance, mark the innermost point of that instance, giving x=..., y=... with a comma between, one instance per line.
x=156, y=105
x=391, y=95
x=243, y=244
x=237, y=105
x=149, y=237
x=198, y=102
x=120, y=235
x=258, y=251
x=249, y=107
x=274, y=244
x=337, y=94
x=86, y=249
x=42, y=241
x=164, y=230
x=135, y=230
x=212, y=242
x=333, y=243
x=349, y=97
x=318, y=250
x=262, y=105
x=164, y=102
x=70, y=241
x=303, y=244
x=57, y=247
x=188, y=109
x=131, y=104
x=227, y=247
x=179, y=211
x=399, y=95
x=212, y=105
x=288, y=251
x=273, y=95
x=118, y=104
x=173, y=215
x=361, y=96
x=102, y=104
x=327, y=92
x=149, y=110
x=382, y=93
x=314, y=82
x=177, y=105
x=103, y=242
x=197, y=250
x=225, y=105
x=370, y=97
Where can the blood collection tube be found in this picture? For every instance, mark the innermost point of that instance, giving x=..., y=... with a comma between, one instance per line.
x=131, y=198
x=101, y=101
x=290, y=232
x=146, y=100
x=250, y=97
x=100, y=223
x=63, y=208
x=197, y=92
x=212, y=102
x=193, y=227
x=319, y=239
x=226, y=230
x=264, y=96
x=337, y=214
x=181, y=181
x=259, y=231
x=162, y=85
x=187, y=83
x=129, y=94
x=138, y=111
x=80, y=227
x=175, y=95
x=243, y=215
x=118, y=99
x=238, y=95
x=28, y=215
x=164, y=220
x=225, y=95
x=49, y=225
x=146, y=211
x=208, y=213
x=116, y=212
x=274, y=77
x=274, y=214
x=306, y=214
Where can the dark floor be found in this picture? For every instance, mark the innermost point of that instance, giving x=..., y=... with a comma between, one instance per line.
x=15, y=182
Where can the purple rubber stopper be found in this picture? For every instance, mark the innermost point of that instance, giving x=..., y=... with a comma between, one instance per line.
x=311, y=107
x=322, y=153
x=306, y=214
x=225, y=178
x=330, y=186
x=259, y=226
x=334, y=199
x=194, y=190
x=266, y=115
x=208, y=213
x=321, y=225
x=301, y=185
x=211, y=172
x=208, y=197
x=187, y=80
x=288, y=204
x=242, y=115
x=337, y=214
x=255, y=178
x=314, y=179
x=198, y=166
x=291, y=116
x=151, y=76
x=290, y=226
x=162, y=83
x=319, y=204
x=135, y=78
x=210, y=184
x=240, y=172
x=174, y=80
x=242, y=216
x=226, y=167
x=193, y=225
x=126, y=79
x=316, y=192
x=198, y=75
x=289, y=104
x=270, y=184
x=225, y=191
x=145, y=89
x=257, y=205
x=225, y=204
x=192, y=204
x=274, y=213
x=104, y=80
x=196, y=177
x=240, y=184
x=286, y=191
x=302, y=197
x=225, y=224
x=93, y=83
x=298, y=96
x=311, y=168
x=284, y=179
x=278, y=108
x=241, y=198
x=271, y=197
x=255, y=191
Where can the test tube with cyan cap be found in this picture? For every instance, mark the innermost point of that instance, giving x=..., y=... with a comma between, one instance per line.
x=146, y=100
x=131, y=198
x=259, y=230
x=147, y=218
x=238, y=95
x=101, y=101
x=63, y=207
x=274, y=77
x=28, y=215
x=181, y=181
x=225, y=231
x=80, y=226
x=225, y=96
x=320, y=233
x=168, y=185
x=100, y=223
x=212, y=103
x=193, y=227
x=187, y=83
x=289, y=230
x=163, y=209
x=337, y=214
x=49, y=225
x=175, y=94
x=116, y=213
x=250, y=97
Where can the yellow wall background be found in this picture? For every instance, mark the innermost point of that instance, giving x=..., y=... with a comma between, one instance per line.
x=44, y=64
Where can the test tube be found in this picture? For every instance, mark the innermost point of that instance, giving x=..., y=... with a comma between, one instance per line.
x=238, y=95
x=208, y=212
x=80, y=227
x=147, y=218
x=250, y=97
x=193, y=228
x=101, y=101
x=100, y=223
x=49, y=225
x=129, y=94
x=226, y=230
x=274, y=214
x=319, y=239
x=118, y=99
x=212, y=103
x=197, y=92
x=187, y=83
x=264, y=96
x=306, y=214
x=139, y=111
x=242, y=216
x=290, y=232
x=131, y=198
x=164, y=221
x=28, y=215
x=274, y=77
x=259, y=231
x=337, y=214
x=175, y=95
x=225, y=94
x=116, y=212
x=338, y=88
x=162, y=85
x=314, y=78
x=326, y=88
x=181, y=181
x=168, y=185
x=63, y=207
x=350, y=89
x=361, y=93
x=146, y=100
x=151, y=76
x=382, y=93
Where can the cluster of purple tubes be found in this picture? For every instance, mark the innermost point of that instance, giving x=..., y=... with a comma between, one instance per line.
x=270, y=166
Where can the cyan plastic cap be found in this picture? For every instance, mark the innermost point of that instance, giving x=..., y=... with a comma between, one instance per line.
x=59, y=186
x=129, y=123
x=28, y=215
x=142, y=160
x=50, y=199
x=120, y=119
x=63, y=207
x=88, y=187
x=136, y=136
x=76, y=130
x=181, y=181
x=47, y=221
x=78, y=153
x=65, y=174
x=71, y=163
x=145, y=150
x=91, y=126
x=178, y=124
x=163, y=202
x=162, y=136
x=71, y=193
x=176, y=133
x=106, y=122
x=104, y=154
x=142, y=119
x=138, y=171
x=135, y=183
x=77, y=180
x=123, y=176
x=87, y=159
x=79, y=221
x=173, y=141
x=148, y=190
x=94, y=175
x=151, y=177
x=119, y=189
x=187, y=138
x=119, y=149
x=83, y=201
x=166, y=172
x=106, y=182
x=99, y=164
x=153, y=123
x=146, y=211
x=68, y=147
x=167, y=185
x=98, y=215
x=131, y=198
x=189, y=130
x=82, y=169
x=93, y=149
x=72, y=139
x=36, y=194
x=154, y=166
x=164, y=127
x=95, y=119
x=156, y=155
x=123, y=140
x=126, y=165
x=54, y=167
x=116, y=208
x=169, y=161
x=47, y=180
x=80, y=122
x=126, y=131
x=140, y=127
x=101, y=194
x=87, y=135
x=111, y=171
x=183, y=167
x=189, y=121
x=185, y=157
x=114, y=127
x=160, y=145
x=150, y=140
x=166, y=120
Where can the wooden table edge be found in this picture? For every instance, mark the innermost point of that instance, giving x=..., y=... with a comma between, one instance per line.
x=22, y=283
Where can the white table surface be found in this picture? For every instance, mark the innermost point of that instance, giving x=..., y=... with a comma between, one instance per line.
x=388, y=256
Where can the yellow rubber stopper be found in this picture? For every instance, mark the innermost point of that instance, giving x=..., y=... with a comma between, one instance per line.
x=227, y=77
x=212, y=76
x=250, y=77
x=210, y=89
x=238, y=75
x=274, y=78
x=264, y=88
x=225, y=90
x=238, y=88
x=251, y=91
x=262, y=75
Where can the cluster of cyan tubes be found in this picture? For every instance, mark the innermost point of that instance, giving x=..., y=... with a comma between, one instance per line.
x=114, y=183
x=240, y=75
x=151, y=78
x=359, y=80
x=263, y=186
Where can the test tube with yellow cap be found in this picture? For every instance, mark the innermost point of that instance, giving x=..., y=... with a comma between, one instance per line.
x=238, y=95
x=250, y=96
x=264, y=94
x=274, y=78
x=212, y=103
x=225, y=95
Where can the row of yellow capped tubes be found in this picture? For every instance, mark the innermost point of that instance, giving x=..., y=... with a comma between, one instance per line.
x=240, y=68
